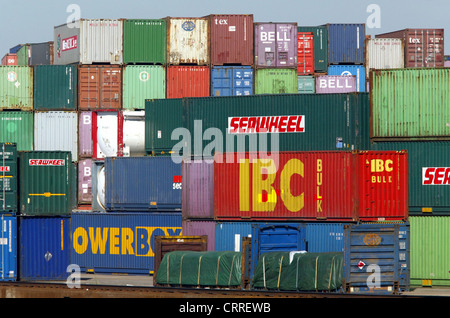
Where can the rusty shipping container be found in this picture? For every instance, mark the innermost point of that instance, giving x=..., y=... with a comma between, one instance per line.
x=423, y=47
x=384, y=53
x=231, y=39
x=99, y=87
x=188, y=81
x=315, y=186
x=16, y=88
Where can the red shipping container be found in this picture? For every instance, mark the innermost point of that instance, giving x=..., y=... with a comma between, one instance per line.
x=309, y=186
x=305, y=49
x=9, y=59
x=231, y=39
x=188, y=81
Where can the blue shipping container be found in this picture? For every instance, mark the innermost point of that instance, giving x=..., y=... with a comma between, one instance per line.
x=44, y=248
x=357, y=70
x=142, y=184
x=119, y=242
x=346, y=43
x=8, y=248
x=376, y=258
x=231, y=81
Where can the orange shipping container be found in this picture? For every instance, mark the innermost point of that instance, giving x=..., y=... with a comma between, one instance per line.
x=188, y=81
x=305, y=49
x=9, y=59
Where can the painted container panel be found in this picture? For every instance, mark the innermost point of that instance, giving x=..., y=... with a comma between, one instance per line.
x=16, y=88
x=320, y=46
x=384, y=53
x=430, y=237
x=9, y=257
x=98, y=186
x=45, y=183
x=330, y=84
x=144, y=41
x=231, y=81
x=36, y=54
x=229, y=235
x=141, y=82
x=201, y=227
x=18, y=128
x=55, y=87
x=133, y=254
x=423, y=47
x=9, y=178
x=44, y=251
x=188, y=41
x=325, y=237
x=188, y=81
x=409, y=104
x=133, y=133
x=56, y=130
x=85, y=181
x=276, y=81
x=383, y=246
x=275, y=45
x=231, y=39
x=107, y=134
x=152, y=184
x=99, y=87
x=85, y=134
x=353, y=70
x=9, y=59
x=305, y=53
x=429, y=183
x=346, y=43
x=306, y=84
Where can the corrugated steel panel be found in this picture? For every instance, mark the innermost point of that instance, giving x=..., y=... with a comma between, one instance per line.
x=56, y=130
x=16, y=88
x=188, y=81
x=44, y=248
x=55, y=87
x=18, y=128
x=384, y=53
x=85, y=134
x=143, y=184
x=9, y=178
x=23, y=55
x=305, y=53
x=201, y=227
x=9, y=257
x=356, y=70
x=346, y=43
x=84, y=181
x=430, y=237
x=45, y=183
x=231, y=81
x=276, y=81
x=141, y=82
x=325, y=237
x=107, y=134
x=133, y=133
x=229, y=235
x=144, y=41
x=231, y=39
x=9, y=59
x=330, y=84
x=306, y=84
x=119, y=242
x=320, y=46
x=188, y=41
x=410, y=103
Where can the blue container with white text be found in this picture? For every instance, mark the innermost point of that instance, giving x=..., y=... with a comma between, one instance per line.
x=357, y=70
x=8, y=249
x=231, y=81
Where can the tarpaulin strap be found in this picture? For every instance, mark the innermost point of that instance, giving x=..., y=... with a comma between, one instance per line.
x=167, y=269
x=217, y=271
x=264, y=270
x=315, y=278
x=199, y=268
x=279, y=272
x=296, y=274
x=231, y=271
x=181, y=267
x=331, y=272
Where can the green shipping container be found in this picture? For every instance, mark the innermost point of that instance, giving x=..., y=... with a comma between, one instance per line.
x=141, y=82
x=46, y=186
x=17, y=127
x=276, y=81
x=306, y=85
x=8, y=175
x=430, y=250
x=410, y=104
x=320, y=46
x=55, y=87
x=144, y=41
x=16, y=87
x=23, y=55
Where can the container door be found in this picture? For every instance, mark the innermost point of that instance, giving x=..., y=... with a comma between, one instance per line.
x=305, y=51
x=8, y=248
x=243, y=81
x=107, y=134
x=85, y=181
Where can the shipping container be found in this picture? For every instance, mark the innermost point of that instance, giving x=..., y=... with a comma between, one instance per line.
x=330, y=84
x=9, y=59
x=44, y=248
x=231, y=80
x=88, y=41
x=107, y=134
x=55, y=87
x=45, y=183
x=320, y=46
x=354, y=70
x=306, y=84
x=56, y=131
x=305, y=53
x=133, y=133
x=188, y=41
x=84, y=181
x=384, y=53
x=18, y=128
x=276, y=81
x=16, y=88
x=119, y=242
x=16, y=48
x=85, y=146
x=201, y=227
x=315, y=186
x=275, y=45
x=231, y=39
x=143, y=184
x=377, y=258
x=346, y=43
x=99, y=87
x=410, y=104
x=422, y=47
x=188, y=81
x=144, y=41
x=35, y=54
x=429, y=183
x=141, y=82
x=9, y=257
x=9, y=175
x=430, y=250
x=98, y=186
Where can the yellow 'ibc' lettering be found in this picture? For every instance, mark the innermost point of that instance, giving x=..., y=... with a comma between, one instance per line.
x=379, y=165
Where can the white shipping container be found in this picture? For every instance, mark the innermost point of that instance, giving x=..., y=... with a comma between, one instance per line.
x=384, y=53
x=133, y=133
